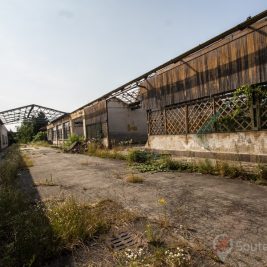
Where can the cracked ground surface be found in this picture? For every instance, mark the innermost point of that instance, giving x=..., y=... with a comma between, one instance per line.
x=206, y=205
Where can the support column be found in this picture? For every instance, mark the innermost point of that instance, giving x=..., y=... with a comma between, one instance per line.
x=57, y=134
x=63, y=130
x=71, y=127
x=84, y=128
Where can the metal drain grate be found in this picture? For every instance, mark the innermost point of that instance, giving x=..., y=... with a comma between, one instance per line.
x=123, y=240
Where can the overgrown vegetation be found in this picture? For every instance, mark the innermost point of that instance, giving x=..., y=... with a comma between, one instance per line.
x=251, y=93
x=145, y=161
x=154, y=256
x=97, y=150
x=30, y=129
x=32, y=233
x=39, y=137
x=73, y=138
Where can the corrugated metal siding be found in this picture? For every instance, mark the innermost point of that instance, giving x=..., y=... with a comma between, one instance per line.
x=224, y=66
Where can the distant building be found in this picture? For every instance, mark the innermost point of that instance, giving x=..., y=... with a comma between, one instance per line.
x=109, y=121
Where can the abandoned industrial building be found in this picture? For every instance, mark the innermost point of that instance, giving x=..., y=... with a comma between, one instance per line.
x=194, y=108
x=3, y=136
x=189, y=106
x=110, y=119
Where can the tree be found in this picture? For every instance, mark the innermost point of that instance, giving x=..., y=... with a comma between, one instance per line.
x=29, y=128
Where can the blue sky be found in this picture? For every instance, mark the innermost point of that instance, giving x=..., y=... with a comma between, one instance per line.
x=65, y=53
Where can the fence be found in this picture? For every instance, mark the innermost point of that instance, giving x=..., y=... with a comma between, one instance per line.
x=223, y=113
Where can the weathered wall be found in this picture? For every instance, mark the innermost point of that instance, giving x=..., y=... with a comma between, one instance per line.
x=243, y=146
x=238, y=59
x=3, y=137
x=126, y=124
x=56, y=130
x=96, y=113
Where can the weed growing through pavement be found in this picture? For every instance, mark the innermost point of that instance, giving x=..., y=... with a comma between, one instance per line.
x=154, y=256
x=47, y=182
x=134, y=178
x=26, y=162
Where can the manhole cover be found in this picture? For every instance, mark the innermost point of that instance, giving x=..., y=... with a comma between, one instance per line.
x=123, y=240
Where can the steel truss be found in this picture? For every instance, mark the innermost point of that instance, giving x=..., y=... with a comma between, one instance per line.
x=20, y=114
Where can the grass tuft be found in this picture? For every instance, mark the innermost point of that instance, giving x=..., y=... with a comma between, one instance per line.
x=26, y=161
x=73, y=223
x=133, y=178
x=97, y=150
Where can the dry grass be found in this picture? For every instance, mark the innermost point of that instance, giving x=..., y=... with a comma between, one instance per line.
x=97, y=150
x=38, y=144
x=46, y=182
x=26, y=161
x=133, y=178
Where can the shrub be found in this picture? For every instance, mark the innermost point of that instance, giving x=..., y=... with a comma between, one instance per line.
x=71, y=140
x=40, y=136
x=206, y=167
x=175, y=165
x=139, y=156
x=262, y=172
x=75, y=138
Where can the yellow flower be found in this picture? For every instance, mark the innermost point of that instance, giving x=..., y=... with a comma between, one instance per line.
x=162, y=201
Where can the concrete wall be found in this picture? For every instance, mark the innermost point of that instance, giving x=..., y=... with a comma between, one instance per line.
x=3, y=137
x=126, y=124
x=241, y=146
x=77, y=127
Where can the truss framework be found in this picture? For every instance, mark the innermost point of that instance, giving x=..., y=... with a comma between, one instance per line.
x=20, y=114
x=130, y=94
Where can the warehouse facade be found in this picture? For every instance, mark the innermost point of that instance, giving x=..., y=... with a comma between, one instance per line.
x=108, y=120
x=212, y=101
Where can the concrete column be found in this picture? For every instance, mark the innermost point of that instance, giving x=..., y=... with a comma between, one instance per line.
x=71, y=127
x=57, y=134
x=84, y=128
x=63, y=132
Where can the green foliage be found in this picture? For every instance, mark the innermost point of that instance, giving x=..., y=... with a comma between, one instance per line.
x=30, y=128
x=72, y=222
x=162, y=163
x=153, y=236
x=250, y=91
x=32, y=233
x=75, y=138
x=40, y=136
x=25, y=235
x=140, y=156
x=25, y=132
x=71, y=140
x=206, y=167
x=174, y=165
x=10, y=165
